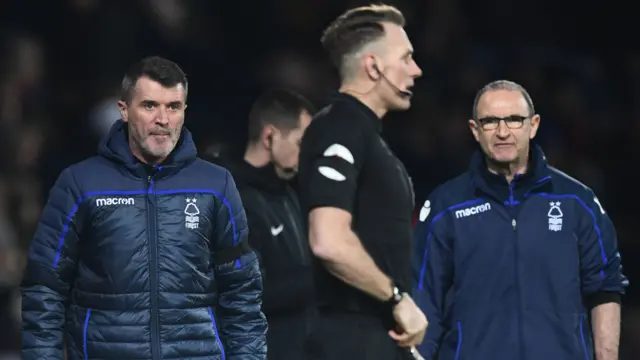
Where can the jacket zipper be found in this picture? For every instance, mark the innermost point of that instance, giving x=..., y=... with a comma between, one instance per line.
x=153, y=266
x=296, y=230
x=514, y=225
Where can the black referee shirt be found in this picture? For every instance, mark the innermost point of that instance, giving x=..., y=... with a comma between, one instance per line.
x=344, y=163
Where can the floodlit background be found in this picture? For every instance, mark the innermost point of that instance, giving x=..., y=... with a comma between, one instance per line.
x=62, y=62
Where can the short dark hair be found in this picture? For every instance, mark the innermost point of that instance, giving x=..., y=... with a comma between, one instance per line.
x=356, y=28
x=505, y=85
x=158, y=69
x=280, y=108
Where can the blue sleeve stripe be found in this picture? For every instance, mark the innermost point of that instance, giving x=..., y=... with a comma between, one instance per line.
x=603, y=253
x=65, y=230
x=74, y=210
x=430, y=232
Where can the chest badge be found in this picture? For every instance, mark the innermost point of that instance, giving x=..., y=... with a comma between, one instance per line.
x=555, y=216
x=191, y=220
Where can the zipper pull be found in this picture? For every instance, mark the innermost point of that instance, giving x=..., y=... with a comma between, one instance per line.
x=513, y=224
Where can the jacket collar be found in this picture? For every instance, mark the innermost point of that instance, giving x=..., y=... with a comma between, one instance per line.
x=537, y=177
x=115, y=147
x=261, y=178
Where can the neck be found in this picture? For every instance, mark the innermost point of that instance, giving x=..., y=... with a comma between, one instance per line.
x=257, y=156
x=509, y=171
x=366, y=95
x=140, y=155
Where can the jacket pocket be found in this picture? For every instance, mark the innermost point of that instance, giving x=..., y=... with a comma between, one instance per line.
x=84, y=334
x=459, y=346
x=215, y=332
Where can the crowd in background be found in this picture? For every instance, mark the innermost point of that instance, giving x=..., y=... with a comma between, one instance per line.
x=63, y=62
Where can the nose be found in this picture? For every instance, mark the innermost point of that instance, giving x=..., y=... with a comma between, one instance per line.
x=417, y=71
x=503, y=131
x=163, y=116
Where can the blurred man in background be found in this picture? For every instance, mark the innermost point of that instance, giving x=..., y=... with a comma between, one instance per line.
x=141, y=251
x=515, y=259
x=277, y=120
x=358, y=196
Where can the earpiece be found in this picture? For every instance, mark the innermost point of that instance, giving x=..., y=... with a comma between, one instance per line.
x=401, y=93
x=377, y=69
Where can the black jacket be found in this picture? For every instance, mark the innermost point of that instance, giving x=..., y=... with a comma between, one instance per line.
x=277, y=234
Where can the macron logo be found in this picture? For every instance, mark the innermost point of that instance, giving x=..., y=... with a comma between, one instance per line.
x=473, y=210
x=114, y=201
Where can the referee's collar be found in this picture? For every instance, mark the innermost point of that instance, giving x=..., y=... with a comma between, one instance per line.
x=340, y=96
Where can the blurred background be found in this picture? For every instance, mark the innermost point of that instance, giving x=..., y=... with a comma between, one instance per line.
x=62, y=62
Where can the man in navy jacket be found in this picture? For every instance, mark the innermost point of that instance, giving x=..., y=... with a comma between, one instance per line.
x=514, y=259
x=141, y=251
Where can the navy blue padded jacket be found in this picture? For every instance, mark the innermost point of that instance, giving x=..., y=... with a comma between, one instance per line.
x=134, y=262
x=503, y=271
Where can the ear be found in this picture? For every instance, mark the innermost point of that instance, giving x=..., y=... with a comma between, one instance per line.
x=266, y=138
x=122, y=106
x=535, y=124
x=372, y=67
x=473, y=126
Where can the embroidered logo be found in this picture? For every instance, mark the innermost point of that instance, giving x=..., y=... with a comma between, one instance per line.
x=555, y=216
x=191, y=220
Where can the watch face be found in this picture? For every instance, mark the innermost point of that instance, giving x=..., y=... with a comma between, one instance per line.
x=397, y=296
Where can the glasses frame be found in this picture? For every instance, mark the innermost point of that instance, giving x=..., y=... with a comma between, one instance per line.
x=512, y=122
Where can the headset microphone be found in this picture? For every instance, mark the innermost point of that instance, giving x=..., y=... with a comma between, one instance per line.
x=401, y=93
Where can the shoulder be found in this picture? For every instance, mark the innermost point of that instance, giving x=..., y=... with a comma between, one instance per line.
x=336, y=120
x=452, y=195
x=209, y=169
x=88, y=165
x=563, y=184
x=207, y=175
x=337, y=131
x=89, y=173
x=455, y=191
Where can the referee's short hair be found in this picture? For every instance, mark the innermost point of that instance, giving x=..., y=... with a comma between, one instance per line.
x=279, y=108
x=355, y=29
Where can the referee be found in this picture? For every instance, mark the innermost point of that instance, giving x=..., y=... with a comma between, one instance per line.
x=359, y=197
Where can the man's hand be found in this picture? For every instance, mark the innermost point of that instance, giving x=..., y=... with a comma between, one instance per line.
x=411, y=322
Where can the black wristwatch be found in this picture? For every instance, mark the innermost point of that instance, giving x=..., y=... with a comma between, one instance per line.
x=396, y=297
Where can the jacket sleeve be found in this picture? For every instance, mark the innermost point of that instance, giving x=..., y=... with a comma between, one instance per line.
x=600, y=262
x=242, y=324
x=49, y=274
x=432, y=272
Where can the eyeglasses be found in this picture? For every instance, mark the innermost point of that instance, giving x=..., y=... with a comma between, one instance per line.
x=492, y=122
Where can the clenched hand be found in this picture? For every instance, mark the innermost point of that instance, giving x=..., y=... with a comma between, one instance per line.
x=412, y=323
